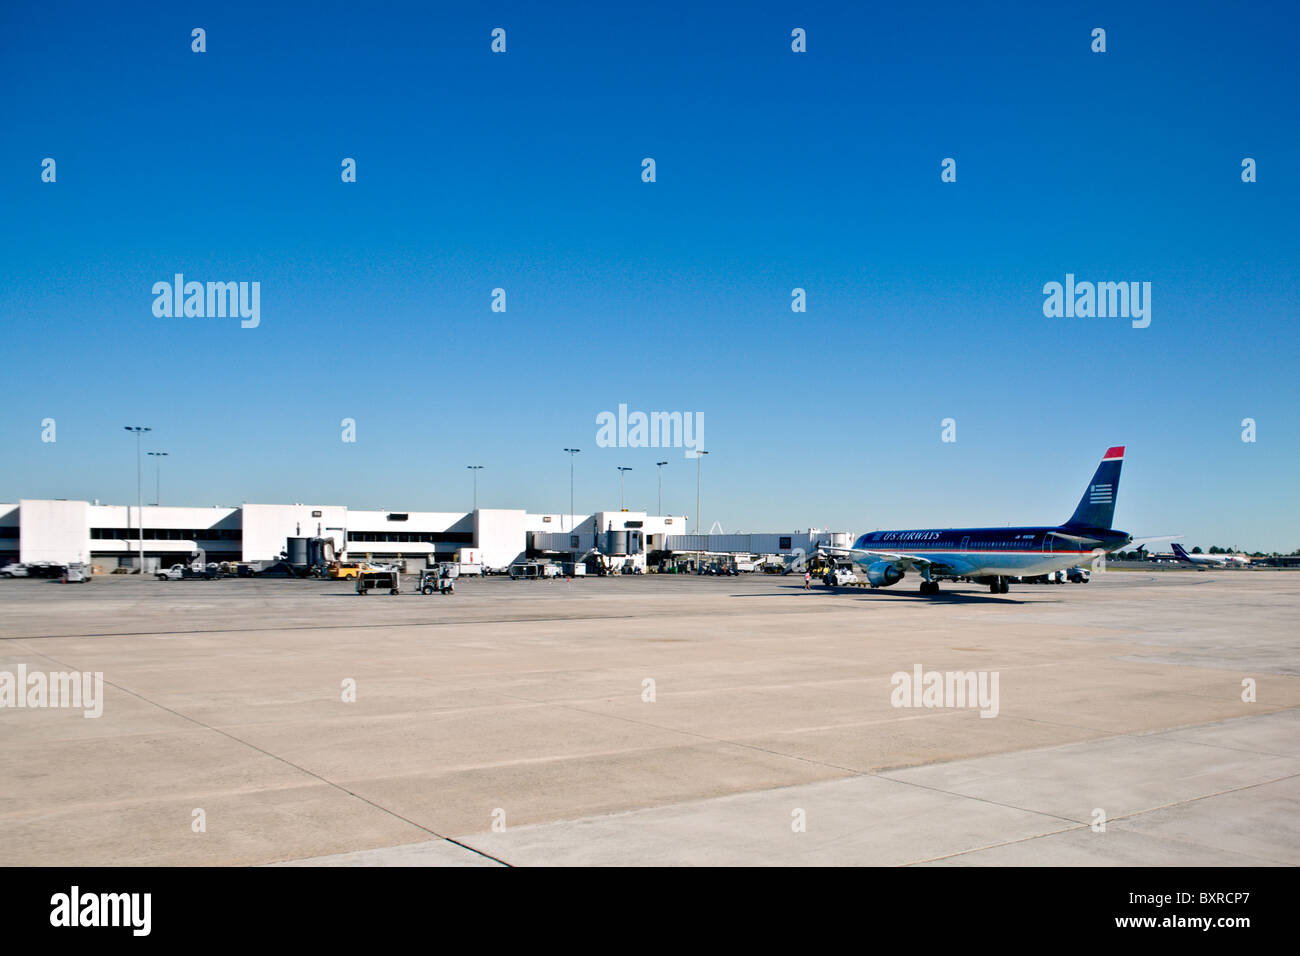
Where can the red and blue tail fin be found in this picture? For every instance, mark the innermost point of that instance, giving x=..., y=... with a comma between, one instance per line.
x=1097, y=506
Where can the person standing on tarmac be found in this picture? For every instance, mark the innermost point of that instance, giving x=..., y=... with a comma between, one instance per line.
x=807, y=580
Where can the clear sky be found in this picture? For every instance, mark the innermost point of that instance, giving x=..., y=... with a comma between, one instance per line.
x=775, y=170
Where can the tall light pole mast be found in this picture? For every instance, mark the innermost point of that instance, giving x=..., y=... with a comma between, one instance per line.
x=139, y=431
x=621, y=472
x=157, y=477
x=572, y=452
x=699, y=455
x=660, y=465
x=475, y=469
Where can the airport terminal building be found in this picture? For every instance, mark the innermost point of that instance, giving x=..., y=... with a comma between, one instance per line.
x=40, y=531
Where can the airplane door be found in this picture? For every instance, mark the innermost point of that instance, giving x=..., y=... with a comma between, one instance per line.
x=965, y=543
x=1047, y=543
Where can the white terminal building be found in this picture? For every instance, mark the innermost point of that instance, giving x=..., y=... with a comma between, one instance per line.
x=43, y=531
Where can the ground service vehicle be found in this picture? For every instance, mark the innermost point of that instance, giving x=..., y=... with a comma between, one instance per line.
x=370, y=580
x=437, y=581
x=469, y=561
x=341, y=570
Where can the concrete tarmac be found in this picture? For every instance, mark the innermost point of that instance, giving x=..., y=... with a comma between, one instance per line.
x=655, y=720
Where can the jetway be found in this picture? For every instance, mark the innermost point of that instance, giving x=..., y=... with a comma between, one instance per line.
x=631, y=542
x=791, y=544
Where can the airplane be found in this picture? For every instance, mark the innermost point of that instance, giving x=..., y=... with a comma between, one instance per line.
x=993, y=556
x=1181, y=554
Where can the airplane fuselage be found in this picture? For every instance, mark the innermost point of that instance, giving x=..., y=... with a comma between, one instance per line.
x=1215, y=560
x=979, y=552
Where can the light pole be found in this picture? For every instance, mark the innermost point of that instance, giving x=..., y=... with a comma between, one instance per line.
x=660, y=466
x=621, y=472
x=698, y=456
x=475, y=469
x=157, y=477
x=139, y=431
x=572, y=452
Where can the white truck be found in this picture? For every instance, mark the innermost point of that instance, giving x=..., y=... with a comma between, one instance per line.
x=469, y=561
x=178, y=572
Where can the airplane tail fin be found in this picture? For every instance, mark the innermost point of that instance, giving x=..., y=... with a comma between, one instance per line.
x=1180, y=552
x=1097, y=506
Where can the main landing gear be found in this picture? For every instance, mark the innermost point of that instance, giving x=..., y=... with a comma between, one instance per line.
x=929, y=587
x=1000, y=585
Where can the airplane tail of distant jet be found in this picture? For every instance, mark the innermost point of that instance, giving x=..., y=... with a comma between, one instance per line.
x=1181, y=553
x=1097, y=506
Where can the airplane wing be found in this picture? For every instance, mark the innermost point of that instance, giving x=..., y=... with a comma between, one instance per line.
x=898, y=557
x=1076, y=539
x=1135, y=543
x=1151, y=539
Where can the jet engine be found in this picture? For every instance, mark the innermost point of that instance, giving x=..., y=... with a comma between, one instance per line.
x=883, y=573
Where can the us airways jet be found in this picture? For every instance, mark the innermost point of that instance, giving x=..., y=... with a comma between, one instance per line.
x=993, y=555
x=1181, y=555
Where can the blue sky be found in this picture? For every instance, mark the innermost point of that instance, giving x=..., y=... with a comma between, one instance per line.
x=775, y=170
